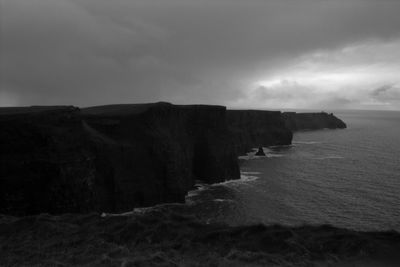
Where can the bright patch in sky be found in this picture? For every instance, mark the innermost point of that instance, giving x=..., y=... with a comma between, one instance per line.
x=361, y=76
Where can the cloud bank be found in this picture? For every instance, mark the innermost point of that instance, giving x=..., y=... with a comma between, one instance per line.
x=264, y=54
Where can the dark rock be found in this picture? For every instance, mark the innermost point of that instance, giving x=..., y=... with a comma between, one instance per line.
x=260, y=152
x=113, y=158
x=157, y=151
x=312, y=121
x=46, y=164
x=254, y=128
x=110, y=158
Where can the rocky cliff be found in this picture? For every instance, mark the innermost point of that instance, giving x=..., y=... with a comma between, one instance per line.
x=46, y=163
x=255, y=128
x=312, y=121
x=114, y=158
x=153, y=153
x=110, y=158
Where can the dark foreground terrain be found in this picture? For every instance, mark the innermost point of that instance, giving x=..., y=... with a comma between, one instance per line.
x=166, y=237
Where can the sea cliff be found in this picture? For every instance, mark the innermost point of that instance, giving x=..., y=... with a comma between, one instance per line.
x=257, y=128
x=312, y=121
x=110, y=158
x=117, y=157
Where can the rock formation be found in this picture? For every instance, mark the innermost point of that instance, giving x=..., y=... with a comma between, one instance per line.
x=110, y=158
x=312, y=121
x=255, y=128
x=260, y=152
x=114, y=158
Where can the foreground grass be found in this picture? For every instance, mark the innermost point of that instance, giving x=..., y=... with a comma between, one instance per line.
x=167, y=238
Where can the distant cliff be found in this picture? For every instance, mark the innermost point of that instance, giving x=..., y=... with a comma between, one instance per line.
x=110, y=158
x=255, y=128
x=312, y=121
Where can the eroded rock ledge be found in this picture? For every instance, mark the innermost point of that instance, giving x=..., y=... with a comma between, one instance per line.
x=113, y=158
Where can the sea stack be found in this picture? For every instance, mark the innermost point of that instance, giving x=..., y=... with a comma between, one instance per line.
x=260, y=152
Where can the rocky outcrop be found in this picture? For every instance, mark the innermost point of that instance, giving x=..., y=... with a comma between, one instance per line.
x=110, y=158
x=255, y=128
x=312, y=121
x=260, y=152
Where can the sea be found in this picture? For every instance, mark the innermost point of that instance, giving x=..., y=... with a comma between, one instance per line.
x=348, y=178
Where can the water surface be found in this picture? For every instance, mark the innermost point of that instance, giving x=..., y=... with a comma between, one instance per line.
x=348, y=178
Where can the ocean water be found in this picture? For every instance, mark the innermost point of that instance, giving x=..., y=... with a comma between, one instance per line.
x=347, y=178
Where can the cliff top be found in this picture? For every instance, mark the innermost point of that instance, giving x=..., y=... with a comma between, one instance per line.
x=125, y=109
x=34, y=109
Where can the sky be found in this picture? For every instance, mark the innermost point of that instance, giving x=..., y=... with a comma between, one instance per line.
x=278, y=54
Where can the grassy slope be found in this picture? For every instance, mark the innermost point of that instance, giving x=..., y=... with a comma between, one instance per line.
x=162, y=237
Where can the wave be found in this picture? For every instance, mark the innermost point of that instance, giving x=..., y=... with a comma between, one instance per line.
x=306, y=142
x=281, y=146
x=223, y=200
x=245, y=177
x=329, y=157
x=246, y=173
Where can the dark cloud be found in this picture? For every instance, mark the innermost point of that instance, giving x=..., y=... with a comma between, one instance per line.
x=387, y=92
x=87, y=52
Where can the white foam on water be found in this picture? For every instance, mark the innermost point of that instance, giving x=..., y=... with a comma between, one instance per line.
x=281, y=146
x=142, y=210
x=223, y=200
x=329, y=157
x=306, y=142
x=246, y=173
x=244, y=178
x=274, y=155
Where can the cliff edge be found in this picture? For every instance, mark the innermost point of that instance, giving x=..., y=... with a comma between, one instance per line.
x=312, y=121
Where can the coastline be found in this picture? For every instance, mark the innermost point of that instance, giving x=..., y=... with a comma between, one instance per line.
x=162, y=232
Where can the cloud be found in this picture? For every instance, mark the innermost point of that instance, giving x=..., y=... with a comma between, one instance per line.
x=360, y=75
x=88, y=52
x=388, y=93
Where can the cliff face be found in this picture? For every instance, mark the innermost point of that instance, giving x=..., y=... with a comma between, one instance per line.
x=117, y=157
x=312, y=121
x=255, y=128
x=158, y=151
x=110, y=158
x=46, y=165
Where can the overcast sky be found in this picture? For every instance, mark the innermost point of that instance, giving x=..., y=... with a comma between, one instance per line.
x=323, y=54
